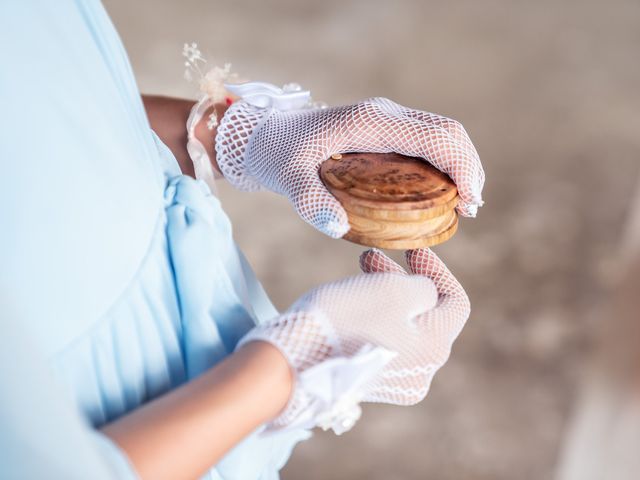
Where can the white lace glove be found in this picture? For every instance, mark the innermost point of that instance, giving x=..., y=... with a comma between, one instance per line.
x=264, y=146
x=376, y=337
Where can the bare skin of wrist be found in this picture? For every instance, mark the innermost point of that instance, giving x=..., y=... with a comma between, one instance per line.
x=168, y=118
x=185, y=432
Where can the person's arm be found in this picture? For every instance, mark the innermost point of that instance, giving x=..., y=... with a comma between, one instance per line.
x=168, y=118
x=185, y=432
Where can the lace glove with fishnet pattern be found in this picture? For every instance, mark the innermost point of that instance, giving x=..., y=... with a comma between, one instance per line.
x=282, y=150
x=417, y=316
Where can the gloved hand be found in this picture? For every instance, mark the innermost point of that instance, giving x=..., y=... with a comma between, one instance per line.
x=282, y=151
x=416, y=316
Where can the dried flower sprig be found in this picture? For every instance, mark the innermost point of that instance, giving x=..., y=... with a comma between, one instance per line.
x=211, y=83
x=193, y=57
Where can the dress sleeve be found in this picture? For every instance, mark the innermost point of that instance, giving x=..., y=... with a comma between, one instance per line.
x=42, y=435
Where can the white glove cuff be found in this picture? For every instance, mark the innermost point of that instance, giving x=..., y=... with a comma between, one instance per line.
x=328, y=394
x=232, y=140
x=258, y=100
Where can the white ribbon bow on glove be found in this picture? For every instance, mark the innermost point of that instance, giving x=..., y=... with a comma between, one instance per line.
x=267, y=95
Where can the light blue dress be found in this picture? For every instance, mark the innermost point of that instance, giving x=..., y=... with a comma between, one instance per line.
x=119, y=277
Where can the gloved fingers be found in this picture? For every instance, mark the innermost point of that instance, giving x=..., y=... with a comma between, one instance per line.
x=445, y=321
x=440, y=141
x=424, y=262
x=441, y=325
x=422, y=296
x=439, y=328
x=453, y=127
x=315, y=204
x=374, y=261
x=433, y=143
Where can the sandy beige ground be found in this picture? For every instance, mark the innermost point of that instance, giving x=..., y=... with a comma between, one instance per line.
x=549, y=93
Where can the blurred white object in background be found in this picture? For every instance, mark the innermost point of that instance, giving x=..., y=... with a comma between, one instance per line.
x=604, y=435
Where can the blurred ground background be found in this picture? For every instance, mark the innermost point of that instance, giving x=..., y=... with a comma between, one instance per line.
x=548, y=91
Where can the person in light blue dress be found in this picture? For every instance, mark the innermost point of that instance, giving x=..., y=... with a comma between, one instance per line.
x=94, y=280
x=123, y=296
